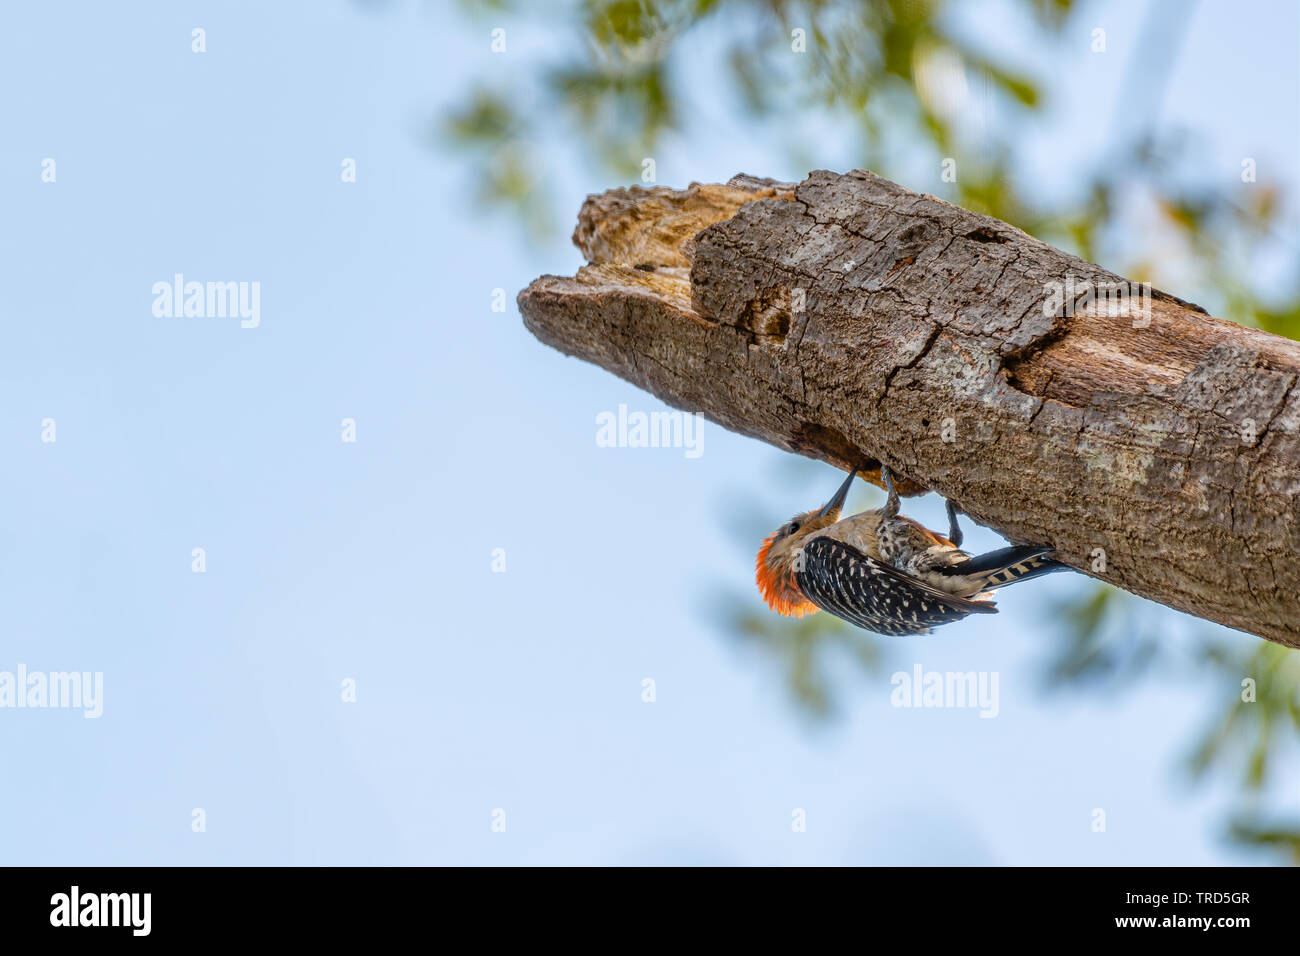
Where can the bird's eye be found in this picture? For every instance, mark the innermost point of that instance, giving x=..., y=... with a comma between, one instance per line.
x=794, y=526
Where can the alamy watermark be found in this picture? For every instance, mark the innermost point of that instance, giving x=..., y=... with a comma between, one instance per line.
x=69, y=690
x=946, y=689
x=77, y=908
x=673, y=429
x=208, y=300
x=1106, y=299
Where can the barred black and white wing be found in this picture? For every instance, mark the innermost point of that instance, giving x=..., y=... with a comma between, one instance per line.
x=843, y=581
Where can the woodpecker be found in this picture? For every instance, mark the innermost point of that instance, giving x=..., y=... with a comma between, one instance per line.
x=885, y=572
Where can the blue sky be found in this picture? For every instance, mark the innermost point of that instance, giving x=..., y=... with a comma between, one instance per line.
x=371, y=561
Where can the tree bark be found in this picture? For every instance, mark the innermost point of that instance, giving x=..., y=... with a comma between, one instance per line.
x=851, y=320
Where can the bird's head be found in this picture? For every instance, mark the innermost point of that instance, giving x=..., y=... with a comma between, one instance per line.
x=775, y=566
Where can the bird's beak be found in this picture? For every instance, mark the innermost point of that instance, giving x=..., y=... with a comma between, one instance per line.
x=836, y=503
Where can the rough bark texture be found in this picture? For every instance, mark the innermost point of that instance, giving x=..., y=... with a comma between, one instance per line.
x=851, y=320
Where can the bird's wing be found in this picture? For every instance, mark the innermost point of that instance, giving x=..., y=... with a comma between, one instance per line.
x=855, y=587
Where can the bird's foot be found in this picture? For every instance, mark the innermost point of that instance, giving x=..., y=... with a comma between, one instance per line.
x=892, y=502
x=954, y=529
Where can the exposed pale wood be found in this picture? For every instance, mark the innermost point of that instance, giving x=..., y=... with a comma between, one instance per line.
x=1076, y=430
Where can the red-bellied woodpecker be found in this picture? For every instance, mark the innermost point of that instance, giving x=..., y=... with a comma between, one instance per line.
x=884, y=572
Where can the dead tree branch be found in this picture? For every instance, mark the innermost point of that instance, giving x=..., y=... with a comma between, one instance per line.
x=851, y=320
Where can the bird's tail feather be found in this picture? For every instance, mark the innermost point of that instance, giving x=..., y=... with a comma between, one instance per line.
x=1013, y=567
x=1001, y=558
